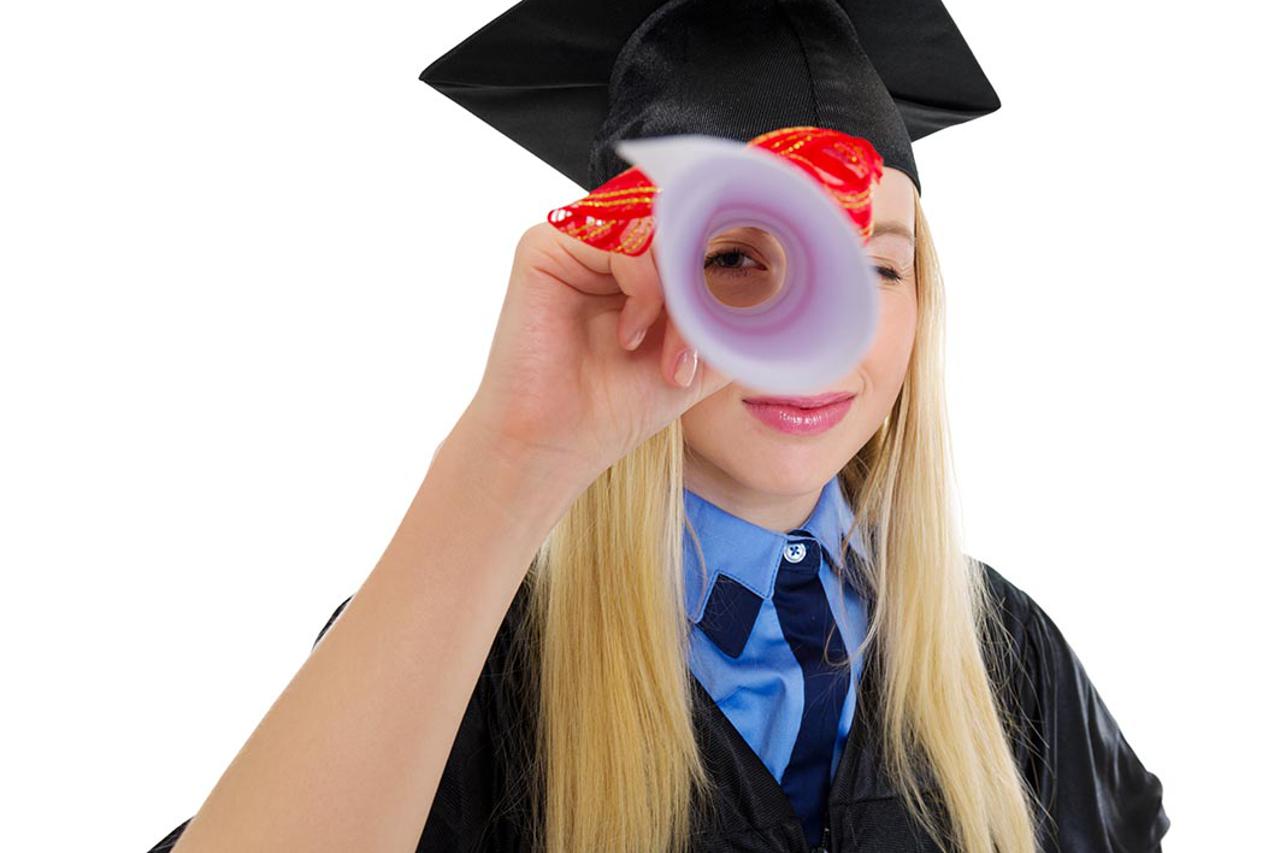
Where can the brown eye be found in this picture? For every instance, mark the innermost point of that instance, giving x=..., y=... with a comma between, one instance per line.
x=744, y=267
x=889, y=273
x=730, y=261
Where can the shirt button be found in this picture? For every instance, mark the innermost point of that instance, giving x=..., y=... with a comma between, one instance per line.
x=794, y=552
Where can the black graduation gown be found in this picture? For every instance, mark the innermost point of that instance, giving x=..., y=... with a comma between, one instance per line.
x=1098, y=795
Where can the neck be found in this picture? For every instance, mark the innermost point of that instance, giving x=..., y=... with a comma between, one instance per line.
x=780, y=512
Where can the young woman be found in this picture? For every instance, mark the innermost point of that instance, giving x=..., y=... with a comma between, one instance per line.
x=637, y=606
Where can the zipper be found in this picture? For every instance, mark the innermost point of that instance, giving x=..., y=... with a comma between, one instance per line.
x=824, y=846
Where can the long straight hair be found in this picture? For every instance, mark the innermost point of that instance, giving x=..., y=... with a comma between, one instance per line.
x=615, y=764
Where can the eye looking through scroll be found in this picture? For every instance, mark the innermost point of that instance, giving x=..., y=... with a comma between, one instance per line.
x=744, y=267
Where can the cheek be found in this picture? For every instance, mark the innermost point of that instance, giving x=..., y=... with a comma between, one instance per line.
x=886, y=362
x=705, y=422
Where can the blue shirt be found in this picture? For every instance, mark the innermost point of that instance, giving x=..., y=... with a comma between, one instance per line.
x=761, y=690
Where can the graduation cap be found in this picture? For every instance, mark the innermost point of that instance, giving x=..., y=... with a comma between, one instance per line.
x=567, y=78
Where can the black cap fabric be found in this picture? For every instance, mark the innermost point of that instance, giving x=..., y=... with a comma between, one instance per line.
x=567, y=78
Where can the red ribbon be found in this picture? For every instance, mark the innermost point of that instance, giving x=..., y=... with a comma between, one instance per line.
x=617, y=216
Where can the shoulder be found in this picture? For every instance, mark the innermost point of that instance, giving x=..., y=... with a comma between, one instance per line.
x=1014, y=604
x=1096, y=792
x=1033, y=660
x=1031, y=638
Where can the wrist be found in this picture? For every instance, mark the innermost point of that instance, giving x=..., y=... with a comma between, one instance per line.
x=527, y=489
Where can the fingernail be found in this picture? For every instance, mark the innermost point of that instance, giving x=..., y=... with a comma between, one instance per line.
x=686, y=364
x=637, y=338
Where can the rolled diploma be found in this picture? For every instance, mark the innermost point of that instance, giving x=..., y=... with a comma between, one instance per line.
x=819, y=324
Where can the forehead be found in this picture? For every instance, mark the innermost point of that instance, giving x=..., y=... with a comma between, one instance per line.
x=893, y=209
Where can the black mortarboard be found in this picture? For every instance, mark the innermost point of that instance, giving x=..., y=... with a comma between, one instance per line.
x=567, y=78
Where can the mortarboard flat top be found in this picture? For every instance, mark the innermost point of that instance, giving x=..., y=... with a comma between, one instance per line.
x=567, y=78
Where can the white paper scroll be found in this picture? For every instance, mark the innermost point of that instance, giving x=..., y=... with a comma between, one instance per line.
x=813, y=331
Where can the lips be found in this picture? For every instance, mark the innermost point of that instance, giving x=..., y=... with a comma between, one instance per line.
x=813, y=402
x=801, y=415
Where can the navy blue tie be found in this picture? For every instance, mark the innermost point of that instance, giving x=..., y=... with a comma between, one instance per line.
x=806, y=619
x=805, y=614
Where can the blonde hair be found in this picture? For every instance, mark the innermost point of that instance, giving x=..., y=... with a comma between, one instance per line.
x=615, y=764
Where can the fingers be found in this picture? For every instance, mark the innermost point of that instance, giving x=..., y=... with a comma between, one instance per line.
x=679, y=360
x=691, y=378
x=569, y=260
x=638, y=278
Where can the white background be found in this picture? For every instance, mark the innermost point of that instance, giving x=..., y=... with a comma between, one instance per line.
x=251, y=267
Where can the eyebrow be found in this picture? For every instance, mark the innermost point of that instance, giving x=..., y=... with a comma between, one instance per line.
x=879, y=228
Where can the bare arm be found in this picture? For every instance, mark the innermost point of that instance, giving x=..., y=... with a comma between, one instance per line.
x=350, y=754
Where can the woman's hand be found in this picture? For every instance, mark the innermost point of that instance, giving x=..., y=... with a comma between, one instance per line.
x=566, y=379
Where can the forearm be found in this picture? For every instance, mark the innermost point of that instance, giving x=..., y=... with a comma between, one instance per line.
x=351, y=753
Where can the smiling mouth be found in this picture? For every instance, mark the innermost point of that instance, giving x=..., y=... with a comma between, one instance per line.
x=800, y=420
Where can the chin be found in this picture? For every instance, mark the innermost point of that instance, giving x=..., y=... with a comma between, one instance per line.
x=786, y=465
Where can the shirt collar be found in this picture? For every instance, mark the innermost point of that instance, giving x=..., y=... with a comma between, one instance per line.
x=747, y=552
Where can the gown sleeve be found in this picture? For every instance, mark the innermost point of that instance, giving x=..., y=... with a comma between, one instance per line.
x=1098, y=796
x=469, y=812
